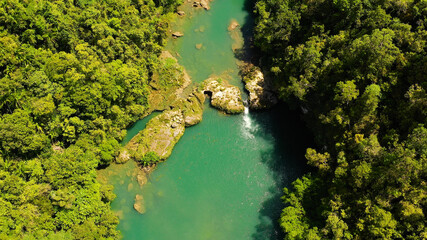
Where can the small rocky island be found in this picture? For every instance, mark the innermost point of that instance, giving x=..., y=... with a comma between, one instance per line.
x=163, y=131
x=224, y=96
x=159, y=136
x=261, y=93
x=192, y=108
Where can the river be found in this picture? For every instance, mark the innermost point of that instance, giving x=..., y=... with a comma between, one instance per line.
x=225, y=176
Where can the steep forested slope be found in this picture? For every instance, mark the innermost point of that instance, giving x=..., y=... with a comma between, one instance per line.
x=73, y=76
x=358, y=71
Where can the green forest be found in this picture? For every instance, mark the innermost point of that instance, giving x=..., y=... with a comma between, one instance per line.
x=357, y=69
x=73, y=76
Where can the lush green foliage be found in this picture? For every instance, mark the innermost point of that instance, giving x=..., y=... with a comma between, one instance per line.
x=73, y=76
x=358, y=70
x=150, y=158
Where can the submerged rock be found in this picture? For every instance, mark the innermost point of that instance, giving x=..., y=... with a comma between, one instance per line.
x=261, y=93
x=199, y=46
x=233, y=25
x=236, y=35
x=139, y=204
x=224, y=96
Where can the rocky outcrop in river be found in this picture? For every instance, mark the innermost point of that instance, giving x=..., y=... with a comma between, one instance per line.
x=202, y=3
x=159, y=136
x=192, y=108
x=223, y=96
x=261, y=94
x=163, y=132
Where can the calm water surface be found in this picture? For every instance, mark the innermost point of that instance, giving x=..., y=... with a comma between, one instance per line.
x=225, y=176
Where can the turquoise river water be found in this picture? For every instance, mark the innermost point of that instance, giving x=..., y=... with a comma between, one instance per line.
x=225, y=176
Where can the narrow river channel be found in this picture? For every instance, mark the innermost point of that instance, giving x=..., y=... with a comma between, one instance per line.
x=225, y=176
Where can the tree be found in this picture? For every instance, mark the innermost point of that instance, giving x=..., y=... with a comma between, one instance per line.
x=20, y=136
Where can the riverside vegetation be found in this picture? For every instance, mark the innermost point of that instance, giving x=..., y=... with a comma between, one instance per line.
x=358, y=71
x=73, y=76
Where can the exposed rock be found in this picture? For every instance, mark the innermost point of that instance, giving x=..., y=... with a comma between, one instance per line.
x=236, y=35
x=139, y=204
x=119, y=214
x=202, y=3
x=224, y=96
x=159, y=136
x=233, y=25
x=192, y=108
x=177, y=34
x=181, y=13
x=162, y=96
x=123, y=157
x=261, y=94
x=205, y=4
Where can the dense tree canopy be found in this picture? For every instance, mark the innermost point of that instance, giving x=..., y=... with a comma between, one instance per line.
x=73, y=76
x=358, y=70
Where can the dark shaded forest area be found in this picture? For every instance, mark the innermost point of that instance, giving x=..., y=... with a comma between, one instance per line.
x=357, y=69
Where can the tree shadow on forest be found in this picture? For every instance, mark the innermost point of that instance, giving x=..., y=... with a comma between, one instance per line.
x=285, y=160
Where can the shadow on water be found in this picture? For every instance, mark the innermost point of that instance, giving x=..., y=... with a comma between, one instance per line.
x=286, y=162
x=290, y=138
x=248, y=53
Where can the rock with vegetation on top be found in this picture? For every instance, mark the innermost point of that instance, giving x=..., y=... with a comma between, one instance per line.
x=142, y=177
x=192, y=108
x=159, y=137
x=261, y=94
x=205, y=4
x=224, y=96
x=168, y=82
